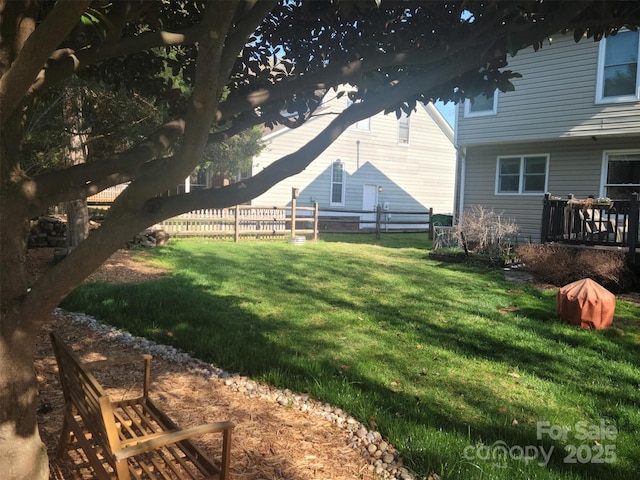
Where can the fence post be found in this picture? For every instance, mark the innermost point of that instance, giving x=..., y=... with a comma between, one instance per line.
x=236, y=233
x=431, y=232
x=293, y=216
x=634, y=227
x=315, y=221
x=546, y=215
x=378, y=217
x=573, y=225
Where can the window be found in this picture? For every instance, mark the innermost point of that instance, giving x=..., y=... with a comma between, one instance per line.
x=622, y=175
x=337, y=183
x=481, y=105
x=243, y=174
x=362, y=124
x=526, y=174
x=618, y=68
x=403, y=129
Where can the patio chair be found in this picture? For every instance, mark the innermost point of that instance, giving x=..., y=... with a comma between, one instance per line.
x=596, y=227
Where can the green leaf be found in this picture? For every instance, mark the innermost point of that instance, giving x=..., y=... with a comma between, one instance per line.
x=512, y=44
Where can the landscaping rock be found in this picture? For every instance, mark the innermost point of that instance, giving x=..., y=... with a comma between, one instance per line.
x=150, y=238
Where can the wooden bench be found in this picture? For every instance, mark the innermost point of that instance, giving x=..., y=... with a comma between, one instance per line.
x=130, y=438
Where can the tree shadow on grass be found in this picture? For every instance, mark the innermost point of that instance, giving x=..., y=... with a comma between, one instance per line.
x=222, y=330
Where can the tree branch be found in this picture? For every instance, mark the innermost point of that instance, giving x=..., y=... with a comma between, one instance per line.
x=253, y=13
x=66, y=62
x=15, y=83
x=491, y=35
x=88, y=178
x=126, y=216
x=294, y=163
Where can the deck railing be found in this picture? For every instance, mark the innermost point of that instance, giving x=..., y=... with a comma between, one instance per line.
x=592, y=221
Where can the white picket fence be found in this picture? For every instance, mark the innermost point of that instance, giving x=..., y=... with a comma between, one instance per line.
x=107, y=196
x=237, y=221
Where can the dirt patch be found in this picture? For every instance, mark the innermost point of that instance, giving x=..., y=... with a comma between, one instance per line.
x=124, y=266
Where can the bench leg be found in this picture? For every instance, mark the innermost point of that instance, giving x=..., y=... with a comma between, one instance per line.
x=122, y=469
x=226, y=454
x=65, y=438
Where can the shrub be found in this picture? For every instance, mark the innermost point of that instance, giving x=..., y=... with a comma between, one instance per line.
x=560, y=265
x=486, y=232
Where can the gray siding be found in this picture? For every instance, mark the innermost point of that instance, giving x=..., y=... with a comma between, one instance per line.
x=575, y=166
x=556, y=98
x=415, y=176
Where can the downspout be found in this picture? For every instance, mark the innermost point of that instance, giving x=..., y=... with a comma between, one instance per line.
x=462, y=168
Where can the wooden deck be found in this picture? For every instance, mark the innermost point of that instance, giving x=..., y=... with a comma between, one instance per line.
x=613, y=224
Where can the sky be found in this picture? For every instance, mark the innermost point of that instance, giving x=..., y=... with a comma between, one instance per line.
x=448, y=111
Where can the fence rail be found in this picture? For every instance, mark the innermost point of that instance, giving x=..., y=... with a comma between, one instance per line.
x=236, y=222
x=248, y=221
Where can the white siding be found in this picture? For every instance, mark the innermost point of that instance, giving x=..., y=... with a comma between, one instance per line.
x=575, y=167
x=556, y=98
x=415, y=176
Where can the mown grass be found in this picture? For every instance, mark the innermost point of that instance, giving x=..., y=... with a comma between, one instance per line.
x=443, y=359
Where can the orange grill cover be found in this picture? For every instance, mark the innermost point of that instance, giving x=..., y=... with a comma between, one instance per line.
x=586, y=303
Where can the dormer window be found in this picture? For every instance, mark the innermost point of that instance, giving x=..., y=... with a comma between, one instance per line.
x=618, y=74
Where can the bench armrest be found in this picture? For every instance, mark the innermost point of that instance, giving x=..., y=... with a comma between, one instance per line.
x=168, y=438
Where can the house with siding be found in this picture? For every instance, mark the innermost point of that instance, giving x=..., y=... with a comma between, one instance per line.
x=572, y=126
x=405, y=164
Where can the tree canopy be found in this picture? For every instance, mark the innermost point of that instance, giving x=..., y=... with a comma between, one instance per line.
x=210, y=71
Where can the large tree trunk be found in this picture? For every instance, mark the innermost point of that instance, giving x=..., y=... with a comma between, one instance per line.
x=22, y=453
x=24, y=307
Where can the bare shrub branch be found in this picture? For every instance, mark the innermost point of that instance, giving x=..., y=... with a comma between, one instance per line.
x=559, y=265
x=486, y=232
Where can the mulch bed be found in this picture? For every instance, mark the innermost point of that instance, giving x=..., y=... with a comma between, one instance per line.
x=270, y=441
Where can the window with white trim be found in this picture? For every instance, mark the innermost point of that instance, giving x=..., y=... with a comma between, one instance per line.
x=618, y=71
x=338, y=177
x=403, y=129
x=523, y=174
x=622, y=174
x=481, y=105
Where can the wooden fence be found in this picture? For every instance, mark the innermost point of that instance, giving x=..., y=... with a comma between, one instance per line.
x=106, y=196
x=245, y=221
x=248, y=221
x=334, y=220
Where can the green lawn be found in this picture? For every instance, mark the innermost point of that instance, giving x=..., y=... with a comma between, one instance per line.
x=450, y=362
